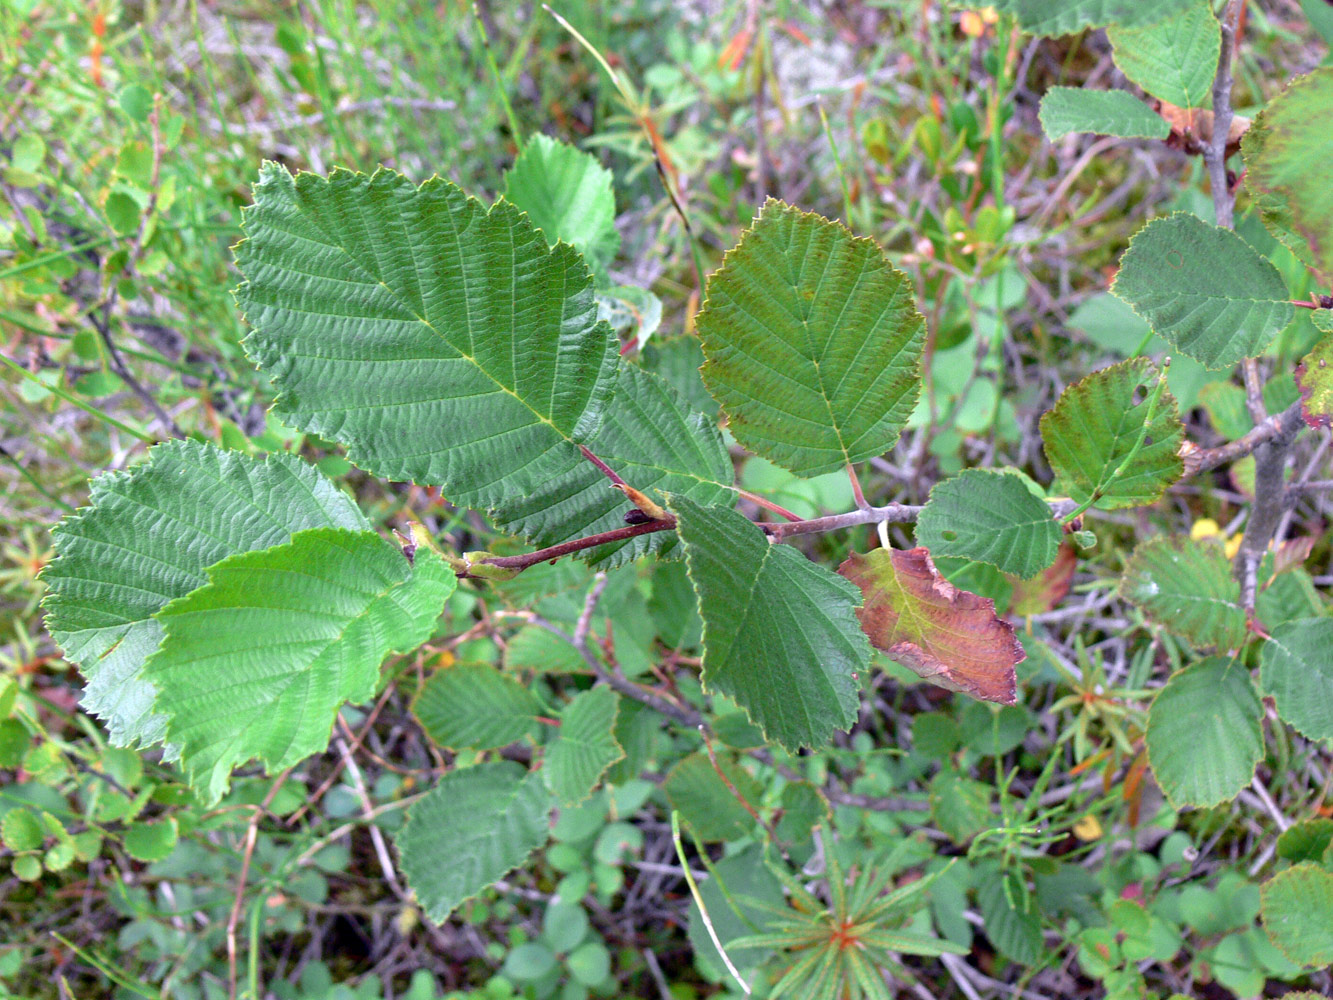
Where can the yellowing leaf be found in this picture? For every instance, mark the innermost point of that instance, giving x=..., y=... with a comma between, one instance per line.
x=919, y=619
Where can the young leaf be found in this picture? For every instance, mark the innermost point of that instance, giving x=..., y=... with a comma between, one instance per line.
x=469, y=830
x=652, y=440
x=919, y=619
x=1064, y=17
x=813, y=343
x=146, y=538
x=1186, y=587
x=991, y=517
x=780, y=635
x=568, y=196
x=1297, y=673
x=1314, y=378
x=1105, y=112
x=1204, y=733
x=1203, y=289
x=473, y=706
x=1093, y=427
x=1174, y=59
x=585, y=748
x=256, y=663
x=1287, y=151
x=441, y=342
x=1297, y=909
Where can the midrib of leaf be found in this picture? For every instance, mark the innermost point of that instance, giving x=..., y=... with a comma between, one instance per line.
x=333, y=243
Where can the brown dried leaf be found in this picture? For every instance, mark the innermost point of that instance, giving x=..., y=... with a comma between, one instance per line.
x=1192, y=128
x=1048, y=588
x=948, y=636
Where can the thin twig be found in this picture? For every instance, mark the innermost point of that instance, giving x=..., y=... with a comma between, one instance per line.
x=251, y=837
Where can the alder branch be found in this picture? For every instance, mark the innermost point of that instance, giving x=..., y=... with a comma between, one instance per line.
x=1206, y=459
x=894, y=513
x=1215, y=153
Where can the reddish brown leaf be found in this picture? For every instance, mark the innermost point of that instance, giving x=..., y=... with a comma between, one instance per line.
x=1192, y=128
x=1048, y=588
x=1292, y=553
x=921, y=620
x=1314, y=377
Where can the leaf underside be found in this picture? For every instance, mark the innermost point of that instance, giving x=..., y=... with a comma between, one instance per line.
x=568, y=195
x=1287, y=151
x=1204, y=734
x=780, y=633
x=989, y=516
x=256, y=663
x=585, y=748
x=1174, y=59
x=654, y=441
x=1063, y=17
x=469, y=830
x=146, y=538
x=1065, y=110
x=1203, y=289
x=919, y=619
x=473, y=706
x=812, y=343
x=442, y=342
x=1297, y=673
x=1186, y=586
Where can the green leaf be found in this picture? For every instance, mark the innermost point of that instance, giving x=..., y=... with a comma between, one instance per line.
x=1314, y=379
x=1174, y=59
x=1205, y=735
x=741, y=882
x=813, y=343
x=1093, y=427
x=1306, y=840
x=1106, y=112
x=585, y=748
x=1297, y=673
x=469, y=830
x=1186, y=586
x=1297, y=912
x=151, y=841
x=146, y=538
x=1287, y=150
x=1203, y=289
x=1015, y=932
x=653, y=441
x=1064, y=17
x=695, y=790
x=568, y=196
x=473, y=706
x=991, y=517
x=136, y=101
x=780, y=633
x=441, y=342
x=959, y=806
x=21, y=830
x=257, y=662
x=948, y=636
